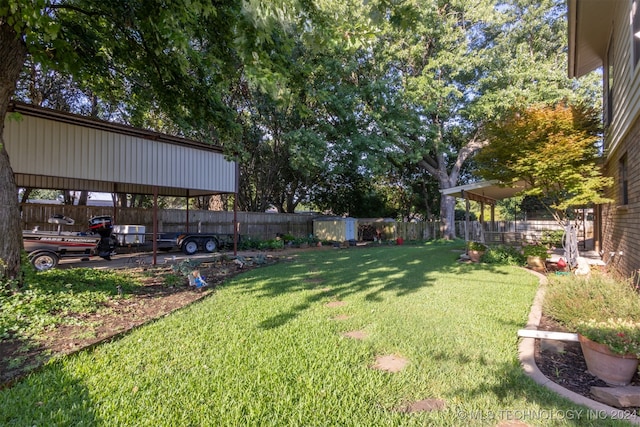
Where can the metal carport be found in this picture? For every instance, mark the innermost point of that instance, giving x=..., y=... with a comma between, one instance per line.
x=57, y=150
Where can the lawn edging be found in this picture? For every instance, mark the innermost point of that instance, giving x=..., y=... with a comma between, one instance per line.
x=526, y=354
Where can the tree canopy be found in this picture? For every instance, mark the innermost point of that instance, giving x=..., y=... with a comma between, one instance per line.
x=554, y=149
x=347, y=106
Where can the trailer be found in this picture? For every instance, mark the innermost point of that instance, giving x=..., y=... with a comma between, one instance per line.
x=46, y=248
x=189, y=244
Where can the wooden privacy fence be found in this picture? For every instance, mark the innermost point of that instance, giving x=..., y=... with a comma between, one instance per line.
x=254, y=224
x=265, y=226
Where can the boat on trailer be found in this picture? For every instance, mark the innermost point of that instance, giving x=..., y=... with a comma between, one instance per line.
x=46, y=248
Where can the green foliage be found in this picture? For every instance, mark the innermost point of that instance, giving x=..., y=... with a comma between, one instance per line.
x=173, y=280
x=552, y=238
x=503, y=255
x=476, y=246
x=601, y=308
x=271, y=244
x=186, y=266
x=622, y=336
x=536, y=250
x=571, y=300
x=553, y=149
x=53, y=297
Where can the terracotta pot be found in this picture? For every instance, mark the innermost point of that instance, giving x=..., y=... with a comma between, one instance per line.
x=475, y=255
x=612, y=368
x=535, y=262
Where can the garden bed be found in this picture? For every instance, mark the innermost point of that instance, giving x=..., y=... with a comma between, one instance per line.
x=154, y=299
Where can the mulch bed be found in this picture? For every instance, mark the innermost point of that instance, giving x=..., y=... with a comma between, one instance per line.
x=567, y=367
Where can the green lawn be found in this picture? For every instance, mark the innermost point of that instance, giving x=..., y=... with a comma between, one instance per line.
x=265, y=350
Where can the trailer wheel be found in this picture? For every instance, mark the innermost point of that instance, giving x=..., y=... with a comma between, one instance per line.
x=190, y=247
x=44, y=261
x=210, y=245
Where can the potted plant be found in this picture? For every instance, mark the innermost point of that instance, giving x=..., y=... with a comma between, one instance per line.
x=611, y=349
x=536, y=255
x=475, y=250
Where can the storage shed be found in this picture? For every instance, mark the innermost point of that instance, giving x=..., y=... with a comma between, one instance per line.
x=335, y=229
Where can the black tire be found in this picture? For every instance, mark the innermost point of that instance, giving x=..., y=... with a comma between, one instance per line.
x=44, y=261
x=210, y=245
x=190, y=247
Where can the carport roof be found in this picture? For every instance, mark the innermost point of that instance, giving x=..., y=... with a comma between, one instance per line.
x=57, y=150
x=485, y=191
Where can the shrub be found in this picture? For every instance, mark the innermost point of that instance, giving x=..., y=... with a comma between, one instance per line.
x=535, y=250
x=476, y=246
x=552, y=238
x=503, y=255
x=574, y=300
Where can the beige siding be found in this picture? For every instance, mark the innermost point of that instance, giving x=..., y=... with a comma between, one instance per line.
x=47, y=153
x=620, y=225
x=626, y=79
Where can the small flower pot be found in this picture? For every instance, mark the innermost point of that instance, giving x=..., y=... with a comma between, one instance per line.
x=612, y=368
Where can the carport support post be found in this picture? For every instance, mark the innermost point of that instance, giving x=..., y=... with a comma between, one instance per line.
x=187, y=230
x=235, y=210
x=155, y=225
x=466, y=216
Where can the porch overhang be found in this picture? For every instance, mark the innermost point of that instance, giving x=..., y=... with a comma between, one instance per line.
x=590, y=23
x=488, y=192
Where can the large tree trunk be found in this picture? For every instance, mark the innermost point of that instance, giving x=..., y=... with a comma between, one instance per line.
x=448, y=217
x=13, y=53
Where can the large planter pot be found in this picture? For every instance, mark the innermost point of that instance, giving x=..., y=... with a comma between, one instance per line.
x=535, y=262
x=612, y=368
x=475, y=255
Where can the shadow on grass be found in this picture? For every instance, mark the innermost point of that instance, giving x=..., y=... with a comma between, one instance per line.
x=38, y=400
x=509, y=384
x=373, y=272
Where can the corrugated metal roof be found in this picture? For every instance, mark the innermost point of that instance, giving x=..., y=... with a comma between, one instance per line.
x=56, y=150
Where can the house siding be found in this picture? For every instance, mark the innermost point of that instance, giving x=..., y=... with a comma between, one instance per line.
x=620, y=225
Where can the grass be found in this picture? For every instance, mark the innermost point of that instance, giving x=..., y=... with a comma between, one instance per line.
x=264, y=351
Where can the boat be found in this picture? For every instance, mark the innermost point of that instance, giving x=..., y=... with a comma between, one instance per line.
x=45, y=248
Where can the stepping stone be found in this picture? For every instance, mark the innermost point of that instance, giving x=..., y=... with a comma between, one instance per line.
x=390, y=363
x=341, y=317
x=620, y=397
x=336, y=304
x=512, y=423
x=356, y=335
x=426, y=405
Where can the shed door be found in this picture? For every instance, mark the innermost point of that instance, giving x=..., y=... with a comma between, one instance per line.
x=350, y=230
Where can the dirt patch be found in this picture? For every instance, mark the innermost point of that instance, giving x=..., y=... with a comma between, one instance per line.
x=341, y=317
x=336, y=304
x=151, y=301
x=356, y=335
x=390, y=363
